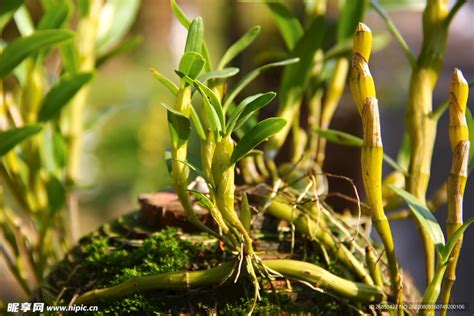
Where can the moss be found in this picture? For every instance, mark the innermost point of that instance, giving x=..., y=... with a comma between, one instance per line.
x=104, y=260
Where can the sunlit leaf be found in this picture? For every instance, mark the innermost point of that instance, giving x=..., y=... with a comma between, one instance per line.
x=191, y=64
x=197, y=124
x=248, y=78
x=116, y=18
x=60, y=94
x=239, y=46
x=168, y=160
x=289, y=26
x=424, y=216
x=256, y=135
x=23, y=21
x=246, y=108
x=213, y=100
x=202, y=199
x=346, y=139
x=171, y=109
x=340, y=138
x=23, y=47
x=219, y=74
x=195, y=36
x=180, y=129
x=448, y=249
x=179, y=14
x=165, y=81
x=12, y=137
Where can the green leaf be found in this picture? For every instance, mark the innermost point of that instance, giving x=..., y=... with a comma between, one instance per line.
x=239, y=46
x=117, y=16
x=296, y=77
x=245, y=213
x=171, y=109
x=470, y=126
x=211, y=97
x=7, y=9
x=195, y=36
x=248, y=78
x=289, y=26
x=424, y=216
x=197, y=124
x=191, y=64
x=202, y=199
x=256, y=135
x=122, y=48
x=187, y=24
x=345, y=139
x=60, y=94
x=219, y=74
x=23, y=21
x=448, y=249
x=340, y=138
x=352, y=13
x=70, y=57
x=212, y=117
x=180, y=129
x=198, y=171
x=59, y=149
x=12, y=137
x=83, y=7
x=403, y=157
x=168, y=160
x=165, y=81
x=23, y=47
x=54, y=18
x=179, y=14
x=246, y=108
x=8, y=231
x=56, y=194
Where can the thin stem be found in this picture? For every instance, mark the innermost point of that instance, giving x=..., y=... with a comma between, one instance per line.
x=393, y=29
x=454, y=10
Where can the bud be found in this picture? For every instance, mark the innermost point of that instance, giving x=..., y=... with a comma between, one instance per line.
x=363, y=41
x=459, y=91
x=361, y=82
